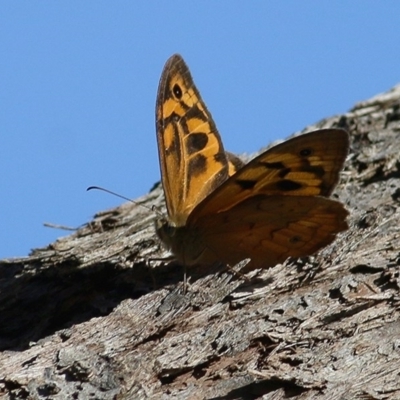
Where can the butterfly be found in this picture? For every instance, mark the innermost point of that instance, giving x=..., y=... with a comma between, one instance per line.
x=219, y=210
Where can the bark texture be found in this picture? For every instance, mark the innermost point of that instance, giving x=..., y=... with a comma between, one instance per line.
x=95, y=315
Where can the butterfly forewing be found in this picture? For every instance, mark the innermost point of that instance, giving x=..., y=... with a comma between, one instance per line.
x=192, y=158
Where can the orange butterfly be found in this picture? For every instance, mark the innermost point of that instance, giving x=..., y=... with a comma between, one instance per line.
x=274, y=207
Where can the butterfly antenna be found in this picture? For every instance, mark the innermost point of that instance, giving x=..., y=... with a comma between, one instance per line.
x=153, y=209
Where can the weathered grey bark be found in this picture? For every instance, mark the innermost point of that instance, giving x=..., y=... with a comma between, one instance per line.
x=90, y=317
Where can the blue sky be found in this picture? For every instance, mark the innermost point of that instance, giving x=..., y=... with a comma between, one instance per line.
x=78, y=82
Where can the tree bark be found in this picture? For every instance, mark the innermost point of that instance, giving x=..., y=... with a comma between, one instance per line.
x=98, y=315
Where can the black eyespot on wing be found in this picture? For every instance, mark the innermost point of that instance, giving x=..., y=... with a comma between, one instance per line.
x=279, y=166
x=245, y=184
x=295, y=239
x=197, y=165
x=220, y=157
x=306, y=152
x=273, y=165
x=317, y=170
x=177, y=91
x=196, y=142
x=286, y=185
x=195, y=112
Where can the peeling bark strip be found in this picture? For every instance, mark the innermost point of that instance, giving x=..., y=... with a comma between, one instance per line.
x=86, y=318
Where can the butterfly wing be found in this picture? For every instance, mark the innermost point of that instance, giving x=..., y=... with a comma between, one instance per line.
x=268, y=229
x=273, y=207
x=192, y=158
x=307, y=165
x=235, y=163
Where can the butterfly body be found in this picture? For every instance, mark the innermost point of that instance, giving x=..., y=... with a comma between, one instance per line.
x=219, y=210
